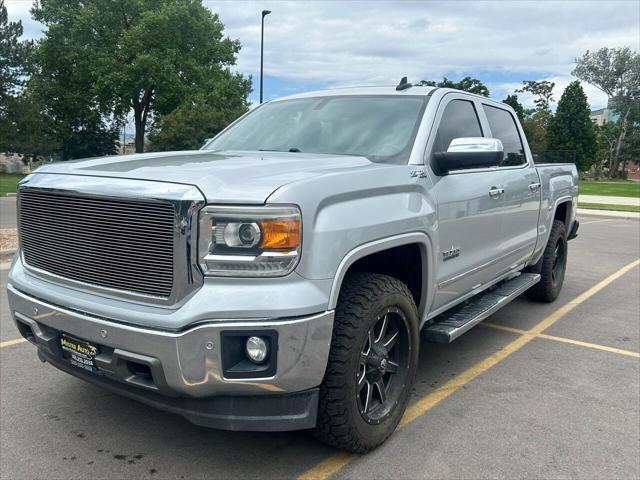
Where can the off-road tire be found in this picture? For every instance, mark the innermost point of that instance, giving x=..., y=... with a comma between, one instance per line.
x=362, y=297
x=548, y=289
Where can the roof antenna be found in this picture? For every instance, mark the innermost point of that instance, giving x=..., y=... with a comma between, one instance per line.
x=403, y=85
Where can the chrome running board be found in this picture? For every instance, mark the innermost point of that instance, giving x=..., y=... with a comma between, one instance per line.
x=449, y=325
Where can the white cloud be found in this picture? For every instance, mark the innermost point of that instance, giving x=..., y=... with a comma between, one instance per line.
x=344, y=43
x=427, y=37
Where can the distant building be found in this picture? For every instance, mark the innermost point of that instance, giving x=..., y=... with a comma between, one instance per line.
x=11, y=163
x=604, y=115
x=633, y=171
x=599, y=116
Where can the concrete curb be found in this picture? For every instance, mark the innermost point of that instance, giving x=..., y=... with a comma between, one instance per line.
x=6, y=255
x=609, y=213
x=10, y=195
x=610, y=200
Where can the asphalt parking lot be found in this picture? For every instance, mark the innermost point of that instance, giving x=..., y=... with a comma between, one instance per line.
x=538, y=390
x=7, y=212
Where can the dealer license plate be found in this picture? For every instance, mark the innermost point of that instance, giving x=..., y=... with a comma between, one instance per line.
x=79, y=352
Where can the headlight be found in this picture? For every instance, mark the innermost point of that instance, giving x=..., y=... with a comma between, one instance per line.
x=249, y=241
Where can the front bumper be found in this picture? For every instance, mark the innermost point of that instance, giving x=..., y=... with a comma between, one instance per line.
x=186, y=367
x=272, y=413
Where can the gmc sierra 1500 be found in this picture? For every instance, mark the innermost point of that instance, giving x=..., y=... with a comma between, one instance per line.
x=278, y=278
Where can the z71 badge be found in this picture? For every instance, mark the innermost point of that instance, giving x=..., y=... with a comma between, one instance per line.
x=453, y=252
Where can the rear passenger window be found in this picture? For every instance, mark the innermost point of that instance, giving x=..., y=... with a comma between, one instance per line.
x=459, y=119
x=503, y=127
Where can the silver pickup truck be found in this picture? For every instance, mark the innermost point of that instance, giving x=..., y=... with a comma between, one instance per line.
x=279, y=278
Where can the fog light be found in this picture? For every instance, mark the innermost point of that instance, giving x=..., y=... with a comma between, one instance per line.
x=256, y=349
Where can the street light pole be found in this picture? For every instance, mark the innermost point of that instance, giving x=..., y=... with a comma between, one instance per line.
x=264, y=14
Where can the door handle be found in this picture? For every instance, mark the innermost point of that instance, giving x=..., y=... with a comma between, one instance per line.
x=534, y=187
x=496, y=192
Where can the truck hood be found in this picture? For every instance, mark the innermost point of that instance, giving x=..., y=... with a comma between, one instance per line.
x=229, y=177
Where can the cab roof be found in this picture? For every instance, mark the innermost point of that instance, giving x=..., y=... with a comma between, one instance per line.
x=377, y=90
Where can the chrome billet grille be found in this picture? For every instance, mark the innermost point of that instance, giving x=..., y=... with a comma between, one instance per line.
x=111, y=243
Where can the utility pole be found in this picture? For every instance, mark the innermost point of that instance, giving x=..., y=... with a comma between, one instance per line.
x=264, y=14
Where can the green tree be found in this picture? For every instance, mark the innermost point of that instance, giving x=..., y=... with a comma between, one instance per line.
x=467, y=84
x=147, y=56
x=542, y=90
x=571, y=128
x=71, y=116
x=631, y=150
x=27, y=129
x=13, y=69
x=186, y=128
x=606, y=139
x=46, y=117
x=537, y=119
x=616, y=72
x=13, y=55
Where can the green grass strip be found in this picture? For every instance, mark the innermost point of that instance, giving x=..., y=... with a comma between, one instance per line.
x=608, y=206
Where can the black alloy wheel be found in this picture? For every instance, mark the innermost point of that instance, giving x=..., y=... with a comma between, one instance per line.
x=372, y=362
x=383, y=368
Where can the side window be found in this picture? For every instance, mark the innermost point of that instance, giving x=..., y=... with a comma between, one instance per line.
x=459, y=119
x=503, y=127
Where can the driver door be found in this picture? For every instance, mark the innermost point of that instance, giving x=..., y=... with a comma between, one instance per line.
x=469, y=205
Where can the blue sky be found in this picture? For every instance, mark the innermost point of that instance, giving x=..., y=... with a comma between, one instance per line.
x=323, y=44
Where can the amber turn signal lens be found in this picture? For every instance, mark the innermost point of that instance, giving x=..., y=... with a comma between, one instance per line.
x=280, y=234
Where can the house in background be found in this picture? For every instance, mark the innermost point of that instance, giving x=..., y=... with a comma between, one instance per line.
x=633, y=171
x=599, y=117
x=11, y=163
x=603, y=115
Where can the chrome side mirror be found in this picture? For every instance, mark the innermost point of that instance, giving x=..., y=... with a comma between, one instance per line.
x=468, y=152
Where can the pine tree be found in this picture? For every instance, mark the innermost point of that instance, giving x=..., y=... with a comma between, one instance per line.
x=571, y=129
x=13, y=53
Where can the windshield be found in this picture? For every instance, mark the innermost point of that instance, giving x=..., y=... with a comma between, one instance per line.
x=381, y=128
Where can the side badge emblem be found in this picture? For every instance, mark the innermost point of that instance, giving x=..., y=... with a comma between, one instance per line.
x=453, y=252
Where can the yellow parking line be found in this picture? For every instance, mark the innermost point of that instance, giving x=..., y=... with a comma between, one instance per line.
x=596, y=346
x=336, y=462
x=16, y=341
x=328, y=467
x=427, y=402
x=504, y=328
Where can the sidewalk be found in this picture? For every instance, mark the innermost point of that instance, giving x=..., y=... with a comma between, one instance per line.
x=607, y=213
x=602, y=199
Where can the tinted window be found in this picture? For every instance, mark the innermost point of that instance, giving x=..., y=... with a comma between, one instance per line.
x=381, y=128
x=503, y=127
x=459, y=119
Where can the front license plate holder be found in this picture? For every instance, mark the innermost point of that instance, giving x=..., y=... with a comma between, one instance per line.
x=79, y=353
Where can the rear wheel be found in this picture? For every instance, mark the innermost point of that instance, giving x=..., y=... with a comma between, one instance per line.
x=372, y=363
x=551, y=266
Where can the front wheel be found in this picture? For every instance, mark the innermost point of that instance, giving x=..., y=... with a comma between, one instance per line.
x=551, y=266
x=372, y=363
